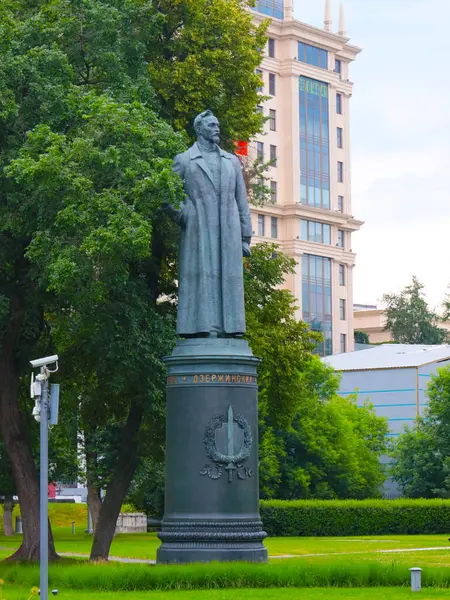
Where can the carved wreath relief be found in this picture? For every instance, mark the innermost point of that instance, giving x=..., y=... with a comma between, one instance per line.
x=236, y=446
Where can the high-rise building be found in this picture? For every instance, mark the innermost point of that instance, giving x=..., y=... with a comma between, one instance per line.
x=305, y=71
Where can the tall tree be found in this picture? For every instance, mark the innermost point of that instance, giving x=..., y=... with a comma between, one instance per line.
x=422, y=454
x=410, y=319
x=85, y=162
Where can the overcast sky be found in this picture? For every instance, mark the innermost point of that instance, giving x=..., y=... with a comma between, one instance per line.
x=400, y=131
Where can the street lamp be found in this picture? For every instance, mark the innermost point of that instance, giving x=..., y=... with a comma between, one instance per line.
x=45, y=413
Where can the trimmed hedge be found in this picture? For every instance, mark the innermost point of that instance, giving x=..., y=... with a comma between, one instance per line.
x=355, y=517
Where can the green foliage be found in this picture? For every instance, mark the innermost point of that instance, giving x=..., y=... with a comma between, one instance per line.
x=410, y=319
x=361, y=337
x=314, y=444
x=422, y=455
x=357, y=518
x=204, y=55
x=287, y=574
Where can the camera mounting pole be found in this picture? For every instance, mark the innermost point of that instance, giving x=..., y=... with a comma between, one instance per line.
x=41, y=412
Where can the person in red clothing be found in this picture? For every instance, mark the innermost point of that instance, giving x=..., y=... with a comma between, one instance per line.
x=52, y=490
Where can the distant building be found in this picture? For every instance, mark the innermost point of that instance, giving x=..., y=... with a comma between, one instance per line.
x=393, y=377
x=306, y=74
x=371, y=320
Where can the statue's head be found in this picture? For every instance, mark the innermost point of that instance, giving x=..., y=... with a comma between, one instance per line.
x=207, y=127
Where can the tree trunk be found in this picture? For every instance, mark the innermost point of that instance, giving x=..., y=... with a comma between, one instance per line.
x=14, y=435
x=7, y=516
x=94, y=503
x=118, y=486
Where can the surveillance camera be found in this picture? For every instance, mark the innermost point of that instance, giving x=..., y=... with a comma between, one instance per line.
x=42, y=362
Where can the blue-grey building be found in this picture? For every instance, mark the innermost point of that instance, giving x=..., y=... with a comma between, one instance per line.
x=394, y=378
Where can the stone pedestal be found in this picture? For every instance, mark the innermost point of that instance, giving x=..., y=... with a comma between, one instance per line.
x=212, y=491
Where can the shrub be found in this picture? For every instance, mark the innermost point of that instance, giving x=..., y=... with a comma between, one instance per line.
x=355, y=517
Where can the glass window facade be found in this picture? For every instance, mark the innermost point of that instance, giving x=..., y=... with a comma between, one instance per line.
x=340, y=170
x=341, y=203
x=273, y=119
x=272, y=8
x=340, y=137
x=316, y=298
x=261, y=223
x=339, y=104
x=274, y=227
x=312, y=231
x=343, y=343
x=338, y=66
x=341, y=238
x=342, y=309
x=312, y=55
x=272, y=85
x=314, y=143
x=341, y=274
x=271, y=48
x=260, y=151
x=274, y=191
x=273, y=155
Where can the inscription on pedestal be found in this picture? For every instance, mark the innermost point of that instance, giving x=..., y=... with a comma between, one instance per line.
x=211, y=378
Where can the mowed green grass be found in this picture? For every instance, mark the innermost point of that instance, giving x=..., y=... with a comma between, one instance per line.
x=247, y=594
x=363, y=549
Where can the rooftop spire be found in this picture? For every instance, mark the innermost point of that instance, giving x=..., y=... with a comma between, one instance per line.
x=342, y=21
x=328, y=23
x=288, y=9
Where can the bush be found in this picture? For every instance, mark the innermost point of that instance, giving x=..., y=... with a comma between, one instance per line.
x=355, y=517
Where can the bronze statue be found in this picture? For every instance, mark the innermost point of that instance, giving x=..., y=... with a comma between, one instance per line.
x=216, y=232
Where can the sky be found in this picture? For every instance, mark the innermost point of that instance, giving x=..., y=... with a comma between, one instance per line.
x=400, y=136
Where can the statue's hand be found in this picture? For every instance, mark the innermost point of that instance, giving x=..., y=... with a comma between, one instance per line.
x=246, y=249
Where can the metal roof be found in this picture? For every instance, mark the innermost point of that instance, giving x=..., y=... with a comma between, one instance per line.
x=389, y=356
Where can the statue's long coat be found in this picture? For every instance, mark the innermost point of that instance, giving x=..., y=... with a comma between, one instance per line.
x=211, y=244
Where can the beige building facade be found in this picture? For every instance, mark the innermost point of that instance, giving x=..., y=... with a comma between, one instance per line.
x=306, y=74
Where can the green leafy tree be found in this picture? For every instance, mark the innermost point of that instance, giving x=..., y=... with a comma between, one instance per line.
x=410, y=319
x=312, y=442
x=361, y=337
x=88, y=261
x=422, y=455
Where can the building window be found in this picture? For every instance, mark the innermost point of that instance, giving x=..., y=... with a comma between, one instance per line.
x=341, y=274
x=260, y=151
x=312, y=55
x=338, y=66
x=343, y=343
x=341, y=203
x=312, y=231
x=342, y=311
x=273, y=119
x=314, y=143
x=340, y=168
x=274, y=227
x=340, y=139
x=339, y=104
x=271, y=48
x=273, y=191
x=271, y=8
x=272, y=84
x=316, y=298
x=273, y=155
x=261, y=87
x=261, y=221
x=259, y=109
x=341, y=238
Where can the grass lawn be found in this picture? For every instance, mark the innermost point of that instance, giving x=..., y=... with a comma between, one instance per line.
x=361, y=549
x=248, y=594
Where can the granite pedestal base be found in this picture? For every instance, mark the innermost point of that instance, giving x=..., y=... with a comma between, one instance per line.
x=212, y=490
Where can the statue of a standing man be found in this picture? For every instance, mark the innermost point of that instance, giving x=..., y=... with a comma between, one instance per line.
x=216, y=232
